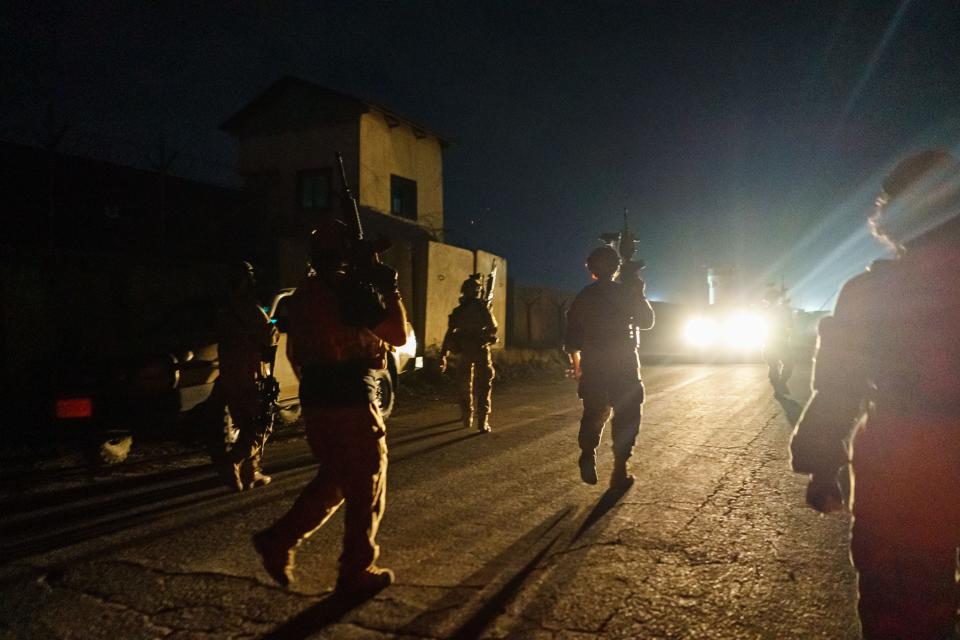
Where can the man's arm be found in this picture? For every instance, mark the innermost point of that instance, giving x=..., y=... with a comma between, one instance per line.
x=840, y=384
x=393, y=328
x=642, y=311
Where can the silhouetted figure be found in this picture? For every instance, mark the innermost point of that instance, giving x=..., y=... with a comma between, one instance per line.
x=777, y=348
x=247, y=340
x=471, y=331
x=334, y=350
x=888, y=376
x=602, y=337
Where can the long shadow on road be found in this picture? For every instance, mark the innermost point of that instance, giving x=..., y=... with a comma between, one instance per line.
x=429, y=622
x=328, y=611
x=75, y=523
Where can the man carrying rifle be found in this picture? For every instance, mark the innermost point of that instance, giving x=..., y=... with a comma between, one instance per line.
x=471, y=330
x=602, y=337
x=342, y=322
x=247, y=342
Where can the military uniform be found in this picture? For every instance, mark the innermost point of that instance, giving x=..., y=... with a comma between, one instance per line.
x=602, y=325
x=777, y=350
x=471, y=330
x=246, y=340
x=344, y=429
x=888, y=377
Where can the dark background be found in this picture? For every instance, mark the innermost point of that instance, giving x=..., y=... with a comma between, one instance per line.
x=750, y=133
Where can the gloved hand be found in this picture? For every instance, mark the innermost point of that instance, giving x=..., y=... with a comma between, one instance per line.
x=823, y=494
x=383, y=278
x=443, y=363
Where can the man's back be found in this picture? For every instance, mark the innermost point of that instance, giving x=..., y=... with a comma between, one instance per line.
x=908, y=311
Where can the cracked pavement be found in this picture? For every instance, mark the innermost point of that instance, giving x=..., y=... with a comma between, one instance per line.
x=490, y=536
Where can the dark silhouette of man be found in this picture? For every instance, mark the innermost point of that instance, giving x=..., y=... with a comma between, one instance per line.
x=602, y=337
x=334, y=350
x=887, y=381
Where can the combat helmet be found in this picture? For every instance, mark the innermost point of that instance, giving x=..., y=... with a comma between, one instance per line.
x=603, y=262
x=329, y=243
x=920, y=193
x=471, y=287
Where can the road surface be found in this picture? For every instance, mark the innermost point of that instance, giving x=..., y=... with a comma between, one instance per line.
x=491, y=536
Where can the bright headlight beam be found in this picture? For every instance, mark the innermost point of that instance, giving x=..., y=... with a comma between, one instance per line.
x=700, y=332
x=744, y=331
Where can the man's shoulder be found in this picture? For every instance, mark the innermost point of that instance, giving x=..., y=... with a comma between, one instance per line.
x=861, y=293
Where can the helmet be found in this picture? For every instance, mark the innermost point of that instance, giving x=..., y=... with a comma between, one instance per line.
x=603, y=262
x=242, y=277
x=328, y=243
x=471, y=286
x=922, y=192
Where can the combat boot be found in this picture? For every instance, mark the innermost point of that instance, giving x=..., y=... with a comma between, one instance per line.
x=229, y=472
x=277, y=560
x=466, y=417
x=588, y=467
x=251, y=475
x=620, y=480
x=368, y=581
x=483, y=423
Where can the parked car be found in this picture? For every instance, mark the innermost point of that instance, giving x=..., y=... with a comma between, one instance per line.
x=103, y=406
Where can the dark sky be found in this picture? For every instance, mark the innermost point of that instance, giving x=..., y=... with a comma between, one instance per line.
x=749, y=133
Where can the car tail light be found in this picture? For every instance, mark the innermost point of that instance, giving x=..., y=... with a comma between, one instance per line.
x=68, y=408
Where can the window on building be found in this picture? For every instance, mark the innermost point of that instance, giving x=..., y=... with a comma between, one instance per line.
x=403, y=197
x=313, y=189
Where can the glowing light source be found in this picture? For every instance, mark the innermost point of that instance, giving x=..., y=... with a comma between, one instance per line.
x=744, y=331
x=739, y=331
x=700, y=332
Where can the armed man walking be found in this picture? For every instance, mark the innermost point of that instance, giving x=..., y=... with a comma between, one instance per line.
x=471, y=330
x=888, y=377
x=777, y=348
x=602, y=337
x=246, y=350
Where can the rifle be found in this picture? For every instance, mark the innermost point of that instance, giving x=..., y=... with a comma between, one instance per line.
x=362, y=248
x=363, y=303
x=625, y=243
x=489, y=284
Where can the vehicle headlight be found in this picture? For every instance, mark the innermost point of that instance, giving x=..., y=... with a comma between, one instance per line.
x=700, y=332
x=744, y=331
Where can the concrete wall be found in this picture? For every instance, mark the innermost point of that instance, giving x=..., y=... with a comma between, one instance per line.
x=284, y=155
x=447, y=268
x=399, y=150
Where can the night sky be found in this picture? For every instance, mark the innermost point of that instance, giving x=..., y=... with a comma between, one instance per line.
x=737, y=133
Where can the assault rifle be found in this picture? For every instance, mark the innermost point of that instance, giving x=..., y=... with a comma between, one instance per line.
x=363, y=250
x=490, y=283
x=625, y=243
x=363, y=302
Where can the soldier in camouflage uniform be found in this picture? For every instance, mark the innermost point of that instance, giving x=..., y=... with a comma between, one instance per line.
x=246, y=344
x=471, y=330
x=887, y=401
x=335, y=356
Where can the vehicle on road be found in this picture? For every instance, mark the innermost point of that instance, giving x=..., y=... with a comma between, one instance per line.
x=101, y=406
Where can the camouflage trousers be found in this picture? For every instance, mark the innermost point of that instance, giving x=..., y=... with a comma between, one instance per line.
x=604, y=394
x=475, y=376
x=254, y=427
x=906, y=529
x=350, y=445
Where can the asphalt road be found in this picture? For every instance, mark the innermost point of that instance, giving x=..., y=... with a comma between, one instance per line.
x=490, y=535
